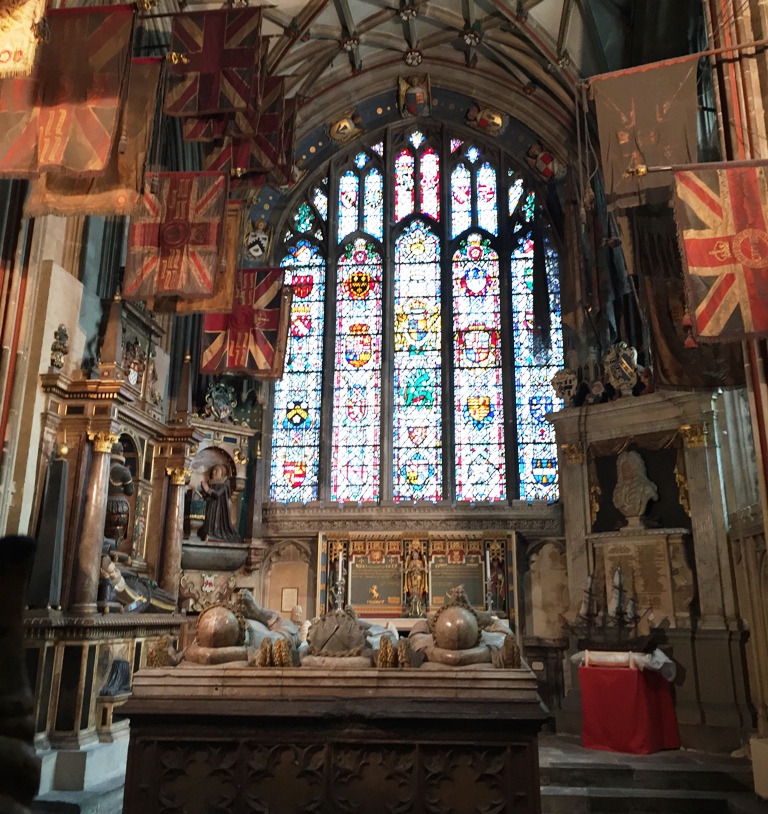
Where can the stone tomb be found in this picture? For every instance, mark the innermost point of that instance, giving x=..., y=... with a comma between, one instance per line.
x=290, y=741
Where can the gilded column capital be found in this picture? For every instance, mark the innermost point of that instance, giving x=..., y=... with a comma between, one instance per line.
x=179, y=475
x=573, y=453
x=694, y=435
x=103, y=441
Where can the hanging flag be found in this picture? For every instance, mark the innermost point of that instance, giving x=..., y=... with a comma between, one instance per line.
x=251, y=339
x=63, y=117
x=204, y=128
x=647, y=117
x=175, y=241
x=265, y=117
x=118, y=190
x=215, y=126
x=214, y=57
x=676, y=361
x=18, y=36
x=722, y=220
x=224, y=286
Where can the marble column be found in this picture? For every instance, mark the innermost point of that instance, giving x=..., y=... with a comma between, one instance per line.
x=577, y=515
x=174, y=530
x=88, y=565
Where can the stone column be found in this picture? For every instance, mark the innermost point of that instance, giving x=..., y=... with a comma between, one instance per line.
x=708, y=523
x=88, y=562
x=577, y=515
x=174, y=530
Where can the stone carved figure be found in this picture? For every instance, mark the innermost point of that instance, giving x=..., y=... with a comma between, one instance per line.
x=218, y=520
x=416, y=581
x=120, y=488
x=457, y=635
x=134, y=593
x=633, y=489
x=244, y=633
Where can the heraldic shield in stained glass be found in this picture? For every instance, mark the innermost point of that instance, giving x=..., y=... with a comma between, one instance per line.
x=418, y=351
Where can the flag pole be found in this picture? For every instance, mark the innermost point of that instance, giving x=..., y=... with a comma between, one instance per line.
x=642, y=170
x=650, y=66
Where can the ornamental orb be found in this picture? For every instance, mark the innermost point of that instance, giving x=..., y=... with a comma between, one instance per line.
x=218, y=627
x=456, y=628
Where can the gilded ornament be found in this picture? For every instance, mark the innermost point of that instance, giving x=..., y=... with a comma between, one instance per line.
x=694, y=435
x=179, y=475
x=240, y=457
x=345, y=128
x=682, y=488
x=59, y=347
x=620, y=365
x=573, y=453
x=103, y=441
x=594, y=501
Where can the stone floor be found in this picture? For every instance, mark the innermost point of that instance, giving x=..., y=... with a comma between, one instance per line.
x=575, y=780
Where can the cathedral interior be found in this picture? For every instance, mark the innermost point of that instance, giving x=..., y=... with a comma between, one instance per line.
x=366, y=368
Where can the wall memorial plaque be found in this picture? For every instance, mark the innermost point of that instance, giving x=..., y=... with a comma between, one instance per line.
x=453, y=563
x=376, y=578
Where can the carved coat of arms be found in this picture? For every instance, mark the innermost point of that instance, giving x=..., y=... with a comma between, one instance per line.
x=414, y=96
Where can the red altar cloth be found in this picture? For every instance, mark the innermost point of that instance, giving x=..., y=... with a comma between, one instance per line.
x=626, y=710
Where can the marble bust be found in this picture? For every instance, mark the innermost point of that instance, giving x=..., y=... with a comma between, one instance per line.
x=633, y=489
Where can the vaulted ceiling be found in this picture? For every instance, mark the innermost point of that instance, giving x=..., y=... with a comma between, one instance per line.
x=521, y=56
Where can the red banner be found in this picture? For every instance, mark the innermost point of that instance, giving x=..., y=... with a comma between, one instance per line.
x=175, y=242
x=251, y=339
x=63, y=117
x=118, y=190
x=722, y=220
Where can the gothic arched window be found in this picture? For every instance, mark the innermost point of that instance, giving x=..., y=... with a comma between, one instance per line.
x=415, y=369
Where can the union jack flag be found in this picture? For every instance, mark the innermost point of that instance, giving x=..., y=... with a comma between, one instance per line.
x=218, y=57
x=252, y=338
x=175, y=242
x=64, y=116
x=722, y=218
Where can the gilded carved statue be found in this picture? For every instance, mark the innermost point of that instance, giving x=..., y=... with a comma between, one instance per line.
x=416, y=581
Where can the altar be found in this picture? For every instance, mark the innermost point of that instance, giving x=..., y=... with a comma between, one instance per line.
x=299, y=740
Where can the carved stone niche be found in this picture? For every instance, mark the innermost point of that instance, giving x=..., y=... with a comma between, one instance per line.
x=288, y=577
x=211, y=554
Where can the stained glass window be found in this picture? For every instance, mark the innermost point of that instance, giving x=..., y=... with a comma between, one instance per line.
x=445, y=330
x=478, y=406
x=304, y=218
x=535, y=365
x=373, y=204
x=429, y=186
x=404, y=185
x=320, y=200
x=487, y=215
x=417, y=430
x=357, y=383
x=296, y=422
x=461, y=200
x=349, y=186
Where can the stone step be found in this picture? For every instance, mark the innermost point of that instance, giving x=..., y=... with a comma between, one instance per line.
x=621, y=800
x=705, y=777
